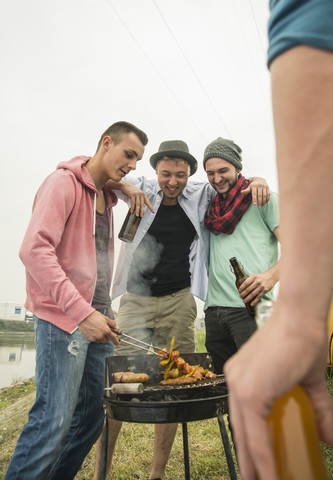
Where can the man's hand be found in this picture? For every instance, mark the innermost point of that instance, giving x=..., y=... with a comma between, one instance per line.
x=264, y=369
x=138, y=198
x=96, y=328
x=259, y=190
x=255, y=287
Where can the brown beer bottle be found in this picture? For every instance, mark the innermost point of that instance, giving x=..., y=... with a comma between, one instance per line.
x=240, y=278
x=129, y=227
x=293, y=429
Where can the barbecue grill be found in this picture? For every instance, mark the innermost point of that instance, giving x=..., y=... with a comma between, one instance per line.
x=167, y=403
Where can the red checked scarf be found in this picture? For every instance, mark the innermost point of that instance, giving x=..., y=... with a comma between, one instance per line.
x=225, y=212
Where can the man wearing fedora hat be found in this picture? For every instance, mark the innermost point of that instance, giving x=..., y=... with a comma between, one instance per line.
x=160, y=271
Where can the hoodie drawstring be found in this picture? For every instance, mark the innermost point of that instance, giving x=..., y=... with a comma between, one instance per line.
x=94, y=225
x=111, y=222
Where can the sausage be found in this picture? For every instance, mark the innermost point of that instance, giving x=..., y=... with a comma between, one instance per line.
x=130, y=377
x=117, y=376
x=178, y=381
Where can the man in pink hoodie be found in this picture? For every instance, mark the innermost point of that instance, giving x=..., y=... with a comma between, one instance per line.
x=68, y=253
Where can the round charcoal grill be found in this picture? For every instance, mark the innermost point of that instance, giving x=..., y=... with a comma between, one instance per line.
x=164, y=411
x=169, y=404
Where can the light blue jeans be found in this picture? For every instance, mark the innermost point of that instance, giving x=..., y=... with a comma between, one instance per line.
x=67, y=416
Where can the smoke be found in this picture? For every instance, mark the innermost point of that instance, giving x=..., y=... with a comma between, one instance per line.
x=146, y=257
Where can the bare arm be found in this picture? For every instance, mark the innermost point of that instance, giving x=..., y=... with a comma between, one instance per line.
x=256, y=285
x=259, y=190
x=302, y=103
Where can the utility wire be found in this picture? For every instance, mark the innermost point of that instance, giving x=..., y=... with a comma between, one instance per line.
x=192, y=69
x=248, y=48
x=259, y=36
x=156, y=70
x=199, y=81
x=188, y=63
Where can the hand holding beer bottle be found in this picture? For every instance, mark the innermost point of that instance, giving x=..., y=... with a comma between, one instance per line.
x=240, y=278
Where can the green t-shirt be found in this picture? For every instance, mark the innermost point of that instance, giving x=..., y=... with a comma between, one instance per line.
x=254, y=245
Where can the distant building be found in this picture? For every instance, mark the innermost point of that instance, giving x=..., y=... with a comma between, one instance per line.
x=10, y=355
x=12, y=311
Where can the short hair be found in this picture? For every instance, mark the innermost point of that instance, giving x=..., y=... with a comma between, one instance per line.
x=117, y=130
x=175, y=159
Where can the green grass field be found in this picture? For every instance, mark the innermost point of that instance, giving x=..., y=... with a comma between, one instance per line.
x=134, y=449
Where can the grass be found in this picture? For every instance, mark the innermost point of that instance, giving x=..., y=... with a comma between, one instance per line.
x=9, y=395
x=16, y=326
x=134, y=449
x=135, y=443
x=201, y=341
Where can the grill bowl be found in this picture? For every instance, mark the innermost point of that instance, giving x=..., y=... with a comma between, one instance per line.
x=164, y=404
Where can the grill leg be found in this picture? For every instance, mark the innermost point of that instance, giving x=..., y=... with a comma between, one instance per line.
x=186, y=455
x=104, y=449
x=226, y=445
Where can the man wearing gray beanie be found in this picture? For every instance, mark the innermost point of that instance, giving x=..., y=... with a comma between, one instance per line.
x=227, y=149
x=237, y=229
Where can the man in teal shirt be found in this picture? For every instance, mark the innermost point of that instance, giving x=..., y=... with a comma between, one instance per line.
x=242, y=230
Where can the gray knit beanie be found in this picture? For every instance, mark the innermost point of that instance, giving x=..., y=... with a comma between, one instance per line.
x=226, y=149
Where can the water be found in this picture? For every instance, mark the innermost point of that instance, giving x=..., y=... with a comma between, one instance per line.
x=17, y=357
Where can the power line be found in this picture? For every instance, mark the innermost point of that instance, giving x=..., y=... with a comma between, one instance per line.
x=191, y=68
x=198, y=79
x=155, y=69
x=256, y=25
x=248, y=48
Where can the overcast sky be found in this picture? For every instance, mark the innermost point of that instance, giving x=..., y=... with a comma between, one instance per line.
x=179, y=69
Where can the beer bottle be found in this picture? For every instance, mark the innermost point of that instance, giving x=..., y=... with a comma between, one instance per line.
x=129, y=227
x=293, y=429
x=240, y=278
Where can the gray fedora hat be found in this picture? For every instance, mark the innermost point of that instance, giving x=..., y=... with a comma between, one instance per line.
x=177, y=149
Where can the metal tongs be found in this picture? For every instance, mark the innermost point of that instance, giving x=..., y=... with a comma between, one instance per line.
x=120, y=333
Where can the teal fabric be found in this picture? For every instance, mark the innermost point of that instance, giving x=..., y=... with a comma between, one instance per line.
x=255, y=246
x=299, y=22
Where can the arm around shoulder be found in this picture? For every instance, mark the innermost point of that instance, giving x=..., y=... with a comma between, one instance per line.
x=259, y=190
x=132, y=193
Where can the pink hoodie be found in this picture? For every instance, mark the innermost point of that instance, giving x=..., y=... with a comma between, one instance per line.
x=58, y=249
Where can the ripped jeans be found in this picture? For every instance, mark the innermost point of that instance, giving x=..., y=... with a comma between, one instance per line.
x=67, y=416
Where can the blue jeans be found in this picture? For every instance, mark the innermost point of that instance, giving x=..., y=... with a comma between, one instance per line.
x=67, y=416
x=227, y=329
